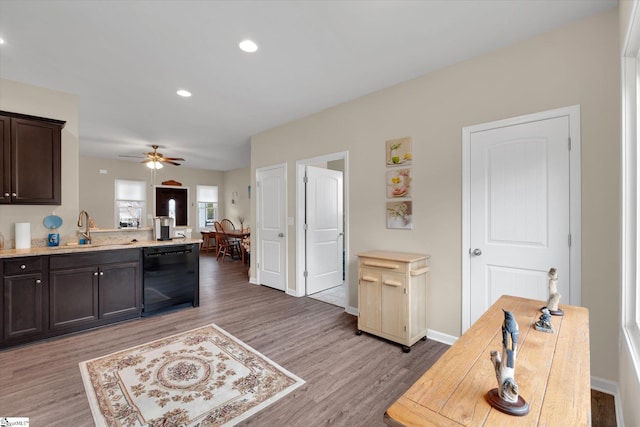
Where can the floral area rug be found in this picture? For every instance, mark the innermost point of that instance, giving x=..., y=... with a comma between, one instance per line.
x=200, y=378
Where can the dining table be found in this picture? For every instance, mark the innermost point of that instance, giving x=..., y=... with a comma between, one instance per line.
x=212, y=235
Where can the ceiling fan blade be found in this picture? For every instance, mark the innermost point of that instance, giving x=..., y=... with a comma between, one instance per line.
x=135, y=157
x=179, y=159
x=171, y=163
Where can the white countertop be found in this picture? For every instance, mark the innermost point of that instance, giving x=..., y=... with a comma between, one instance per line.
x=66, y=249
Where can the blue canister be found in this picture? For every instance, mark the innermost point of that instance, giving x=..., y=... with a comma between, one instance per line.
x=54, y=238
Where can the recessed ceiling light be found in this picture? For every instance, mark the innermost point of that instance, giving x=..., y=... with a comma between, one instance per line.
x=1, y=40
x=184, y=93
x=248, y=46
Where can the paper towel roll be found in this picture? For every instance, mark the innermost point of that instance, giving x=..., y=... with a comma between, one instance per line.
x=23, y=235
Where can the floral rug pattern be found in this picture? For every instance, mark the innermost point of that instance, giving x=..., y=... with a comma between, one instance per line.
x=200, y=378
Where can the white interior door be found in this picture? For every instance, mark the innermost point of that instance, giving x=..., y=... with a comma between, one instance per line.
x=271, y=224
x=324, y=228
x=519, y=211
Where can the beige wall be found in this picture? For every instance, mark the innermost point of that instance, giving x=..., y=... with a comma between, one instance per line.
x=97, y=190
x=237, y=181
x=20, y=98
x=576, y=64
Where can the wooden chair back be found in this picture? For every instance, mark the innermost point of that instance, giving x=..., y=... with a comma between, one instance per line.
x=227, y=224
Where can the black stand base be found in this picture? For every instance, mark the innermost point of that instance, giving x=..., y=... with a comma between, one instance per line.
x=558, y=312
x=520, y=408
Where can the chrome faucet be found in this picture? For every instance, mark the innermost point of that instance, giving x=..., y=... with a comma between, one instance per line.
x=86, y=234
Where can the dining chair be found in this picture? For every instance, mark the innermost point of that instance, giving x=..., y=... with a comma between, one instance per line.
x=227, y=224
x=226, y=247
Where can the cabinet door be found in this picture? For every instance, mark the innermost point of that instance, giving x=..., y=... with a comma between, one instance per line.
x=120, y=289
x=394, y=312
x=369, y=303
x=5, y=159
x=23, y=308
x=73, y=297
x=35, y=162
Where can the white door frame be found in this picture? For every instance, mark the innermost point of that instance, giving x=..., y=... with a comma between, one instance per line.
x=257, y=245
x=575, y=253
x=300, y=215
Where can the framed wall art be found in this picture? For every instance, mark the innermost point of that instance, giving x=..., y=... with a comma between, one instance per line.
x=399, y=152
x=398, y=183
x=400, y=215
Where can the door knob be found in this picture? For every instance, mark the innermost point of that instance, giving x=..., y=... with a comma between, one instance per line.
x=280, y=234
x=476, y=252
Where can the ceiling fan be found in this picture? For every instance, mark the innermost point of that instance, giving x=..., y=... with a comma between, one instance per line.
x=154, y=159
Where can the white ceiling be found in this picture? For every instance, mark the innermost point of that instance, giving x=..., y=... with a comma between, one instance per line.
x=125, y=60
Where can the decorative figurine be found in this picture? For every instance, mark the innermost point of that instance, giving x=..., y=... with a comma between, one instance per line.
x=505, y=398
x=554, y=295
x=544, y=323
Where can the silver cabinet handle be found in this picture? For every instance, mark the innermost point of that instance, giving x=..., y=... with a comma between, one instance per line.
x=38, y=281
x=6, y=194
x=95, y=273
x=476, y=252
x=280, y=234
x=23, y=267
x=14, y=194
x=102, y=273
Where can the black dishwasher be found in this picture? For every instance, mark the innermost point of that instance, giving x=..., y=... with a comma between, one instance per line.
x=171, y=278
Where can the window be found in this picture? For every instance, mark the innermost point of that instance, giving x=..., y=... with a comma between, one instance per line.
x=130, y=203
x=207, y=197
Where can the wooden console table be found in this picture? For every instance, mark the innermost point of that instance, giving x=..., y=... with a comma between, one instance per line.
x=552, y=372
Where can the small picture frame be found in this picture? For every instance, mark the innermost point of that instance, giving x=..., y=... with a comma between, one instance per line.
x=400, y=215
x=399, y=152
x=398, y=183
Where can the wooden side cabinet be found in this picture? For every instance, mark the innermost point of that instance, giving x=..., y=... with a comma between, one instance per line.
x=392, y=296
x=30, y=159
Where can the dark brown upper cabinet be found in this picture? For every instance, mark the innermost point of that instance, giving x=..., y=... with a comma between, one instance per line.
x=30, y=159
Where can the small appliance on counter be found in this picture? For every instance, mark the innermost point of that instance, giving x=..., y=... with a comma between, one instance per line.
x=163, y=227
x=53, y=222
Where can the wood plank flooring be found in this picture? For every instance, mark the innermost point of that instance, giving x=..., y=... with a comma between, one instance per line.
x=350, y=380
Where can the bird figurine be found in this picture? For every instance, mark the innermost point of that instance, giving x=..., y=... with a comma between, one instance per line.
x=510, y=334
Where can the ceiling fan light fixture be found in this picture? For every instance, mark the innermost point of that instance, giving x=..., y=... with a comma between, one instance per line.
x=154, y=165
x=248, y=46
x=184, y=93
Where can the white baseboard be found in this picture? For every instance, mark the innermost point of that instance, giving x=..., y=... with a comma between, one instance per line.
x=253, y=281
x=352, y=310
x=609, y=387
x=441, y=337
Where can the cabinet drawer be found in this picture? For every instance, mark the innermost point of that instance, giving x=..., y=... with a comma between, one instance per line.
x=383, y=265
x=74, y=260
x=23, y=265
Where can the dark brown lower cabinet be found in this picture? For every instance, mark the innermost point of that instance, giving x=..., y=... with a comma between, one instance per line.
x=117, y=295
x=73, y=297
x=23, y=306
x=95, y=288
x=23, y=298
x=53, y=295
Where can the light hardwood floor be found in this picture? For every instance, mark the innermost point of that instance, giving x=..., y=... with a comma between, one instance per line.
x=350, y=380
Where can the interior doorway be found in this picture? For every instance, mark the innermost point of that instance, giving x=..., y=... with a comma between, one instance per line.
x=271, y=221
x=521, y=209
x=321, y=270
